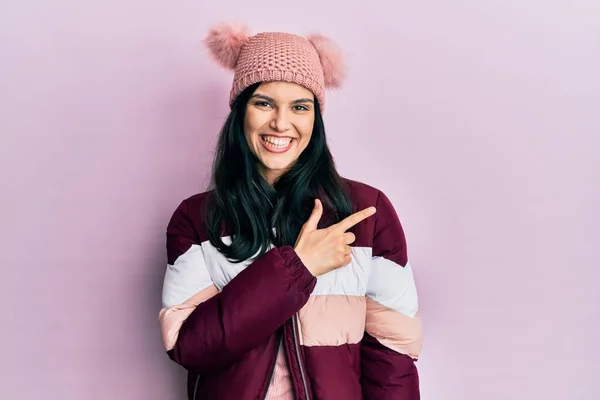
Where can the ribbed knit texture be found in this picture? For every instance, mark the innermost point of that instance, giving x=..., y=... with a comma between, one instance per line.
x=281, y=384
x=278, y=56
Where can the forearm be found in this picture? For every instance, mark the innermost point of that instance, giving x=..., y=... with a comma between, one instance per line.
x=247, y=311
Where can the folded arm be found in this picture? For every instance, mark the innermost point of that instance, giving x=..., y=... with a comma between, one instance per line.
x=203, y=328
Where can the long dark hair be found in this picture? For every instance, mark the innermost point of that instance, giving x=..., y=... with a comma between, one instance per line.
x=242, y=202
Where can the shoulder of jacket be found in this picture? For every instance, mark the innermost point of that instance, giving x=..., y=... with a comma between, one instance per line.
x=195, y=201
x=361, y=193
x=189, y=215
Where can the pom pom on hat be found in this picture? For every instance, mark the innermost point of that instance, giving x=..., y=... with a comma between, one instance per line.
x=225, y=42
x=332, y=60
x=313, y=61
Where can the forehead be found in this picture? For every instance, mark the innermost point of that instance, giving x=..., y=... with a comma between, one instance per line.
x=284, y=91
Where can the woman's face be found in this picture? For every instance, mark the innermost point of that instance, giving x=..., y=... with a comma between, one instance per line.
x=278, y=125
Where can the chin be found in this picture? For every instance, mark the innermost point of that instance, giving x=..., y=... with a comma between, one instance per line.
x=276, y=166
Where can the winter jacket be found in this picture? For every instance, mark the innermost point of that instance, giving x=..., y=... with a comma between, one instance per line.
x=353, y=333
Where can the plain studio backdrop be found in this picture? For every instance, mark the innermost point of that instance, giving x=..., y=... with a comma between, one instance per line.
x=479, y=119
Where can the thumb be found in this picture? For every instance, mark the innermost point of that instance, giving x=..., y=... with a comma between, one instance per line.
x=315, y=216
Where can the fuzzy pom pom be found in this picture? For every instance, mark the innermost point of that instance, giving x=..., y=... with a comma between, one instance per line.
x=225, y=41
x=332, y=60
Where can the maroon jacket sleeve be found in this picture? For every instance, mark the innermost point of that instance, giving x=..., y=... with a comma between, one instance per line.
x=392, y=340
x=250, y=308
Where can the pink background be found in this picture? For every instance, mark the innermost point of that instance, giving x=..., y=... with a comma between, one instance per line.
x=479, y=119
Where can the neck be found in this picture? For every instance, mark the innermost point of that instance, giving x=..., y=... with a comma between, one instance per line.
x=270, y=176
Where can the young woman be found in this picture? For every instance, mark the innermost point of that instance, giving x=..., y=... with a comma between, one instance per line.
x=285, y=280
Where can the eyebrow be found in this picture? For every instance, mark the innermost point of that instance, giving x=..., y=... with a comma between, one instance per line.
x=272, y=100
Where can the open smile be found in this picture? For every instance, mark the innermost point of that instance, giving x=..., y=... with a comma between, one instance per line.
x=275, y=144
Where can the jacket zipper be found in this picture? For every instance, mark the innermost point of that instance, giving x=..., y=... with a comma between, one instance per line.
x=196, y=387
x=298, y=356
x=273, y=367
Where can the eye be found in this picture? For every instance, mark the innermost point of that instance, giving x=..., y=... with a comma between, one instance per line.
x=300, y=108
x=263, y=104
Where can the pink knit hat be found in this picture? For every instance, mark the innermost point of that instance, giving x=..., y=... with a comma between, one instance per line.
x=314, y=62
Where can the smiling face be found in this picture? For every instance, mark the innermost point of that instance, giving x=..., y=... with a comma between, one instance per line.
x=278, y=126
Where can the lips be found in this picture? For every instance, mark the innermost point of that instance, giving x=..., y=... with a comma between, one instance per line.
x=273, y=148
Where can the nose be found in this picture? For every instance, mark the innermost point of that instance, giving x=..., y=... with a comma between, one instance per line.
x=280, y=121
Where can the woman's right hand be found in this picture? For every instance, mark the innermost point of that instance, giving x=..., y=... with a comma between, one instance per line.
x=323, y=250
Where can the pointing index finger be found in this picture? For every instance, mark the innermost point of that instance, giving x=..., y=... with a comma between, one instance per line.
x=354, y=219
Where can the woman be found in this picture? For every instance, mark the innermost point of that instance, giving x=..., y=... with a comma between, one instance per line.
x=286, y=281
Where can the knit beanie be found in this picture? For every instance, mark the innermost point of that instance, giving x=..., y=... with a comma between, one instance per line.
x=314, y=61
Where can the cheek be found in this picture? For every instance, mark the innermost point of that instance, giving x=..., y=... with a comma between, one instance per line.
x=247, y=125
x=250, y=135
x=306, y=129
x=253, y=123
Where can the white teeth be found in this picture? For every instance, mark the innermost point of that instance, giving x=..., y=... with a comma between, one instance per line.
x=277, y=142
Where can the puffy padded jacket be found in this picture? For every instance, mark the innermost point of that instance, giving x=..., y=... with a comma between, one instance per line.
x=353, y=333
